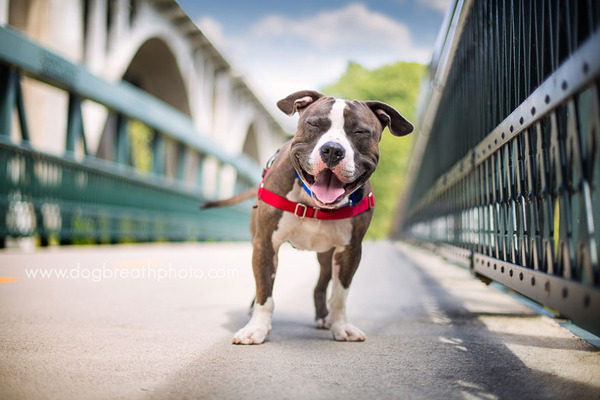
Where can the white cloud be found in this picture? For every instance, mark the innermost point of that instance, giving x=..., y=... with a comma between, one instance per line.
x=317, y=48
x=213, y=30
x=281, y=54
x=439, y=5
x=353, y=25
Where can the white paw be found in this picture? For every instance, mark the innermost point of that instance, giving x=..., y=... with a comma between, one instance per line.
x=252, y=334
x=346, y=332
x=323, y=323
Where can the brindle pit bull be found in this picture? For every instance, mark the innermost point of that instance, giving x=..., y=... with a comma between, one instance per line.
x=317, y=196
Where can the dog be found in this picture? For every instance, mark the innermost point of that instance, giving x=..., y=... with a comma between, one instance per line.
x=316, y=195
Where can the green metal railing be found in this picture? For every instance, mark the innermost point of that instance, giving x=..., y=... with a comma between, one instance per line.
x=506, y=173
x=83, y=199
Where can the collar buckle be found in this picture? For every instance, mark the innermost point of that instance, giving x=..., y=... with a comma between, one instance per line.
x=303, y=211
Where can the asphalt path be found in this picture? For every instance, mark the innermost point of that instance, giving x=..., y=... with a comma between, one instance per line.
x=156, y=322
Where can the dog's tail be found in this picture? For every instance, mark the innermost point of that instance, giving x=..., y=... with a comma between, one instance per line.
x=248, y=194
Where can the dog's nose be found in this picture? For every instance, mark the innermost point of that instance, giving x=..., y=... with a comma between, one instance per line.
x=332, y=153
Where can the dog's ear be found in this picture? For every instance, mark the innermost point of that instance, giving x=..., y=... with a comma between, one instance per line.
x=297, y=101
x=391, y=118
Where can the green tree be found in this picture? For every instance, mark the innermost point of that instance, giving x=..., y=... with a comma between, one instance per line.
x=140, y=138
x=397, y=85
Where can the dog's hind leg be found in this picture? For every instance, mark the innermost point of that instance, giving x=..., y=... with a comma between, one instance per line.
x=320, y=293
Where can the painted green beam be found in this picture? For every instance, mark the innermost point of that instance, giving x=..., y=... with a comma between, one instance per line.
x=122, y=97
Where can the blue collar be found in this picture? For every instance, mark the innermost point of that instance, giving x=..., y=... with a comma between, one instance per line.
x=306, y=189
x=354, y=198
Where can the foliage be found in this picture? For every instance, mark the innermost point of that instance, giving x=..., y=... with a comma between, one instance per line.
x=397, y=85
x=140, y=137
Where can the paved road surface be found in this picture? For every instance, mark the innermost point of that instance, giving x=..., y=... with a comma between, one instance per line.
x=155, y=322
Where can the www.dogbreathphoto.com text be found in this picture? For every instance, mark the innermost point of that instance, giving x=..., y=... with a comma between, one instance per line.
x=141, y=272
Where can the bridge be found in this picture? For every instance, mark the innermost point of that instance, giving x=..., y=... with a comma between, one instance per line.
x=489, y=286
x=135, y=88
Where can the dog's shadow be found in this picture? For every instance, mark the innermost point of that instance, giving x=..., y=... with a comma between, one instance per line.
x=284, y=327
x=236, y=319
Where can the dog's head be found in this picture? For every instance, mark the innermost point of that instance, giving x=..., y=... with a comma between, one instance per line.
x=336, y=147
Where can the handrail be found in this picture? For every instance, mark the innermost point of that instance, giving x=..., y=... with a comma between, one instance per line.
x=431, y=94
x=505, y=179
x=70, y=199
x=122, y=97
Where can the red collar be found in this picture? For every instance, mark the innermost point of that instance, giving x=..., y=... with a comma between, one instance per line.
x=304, y=211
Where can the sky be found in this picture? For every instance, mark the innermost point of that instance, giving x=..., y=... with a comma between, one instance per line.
x=283, y=46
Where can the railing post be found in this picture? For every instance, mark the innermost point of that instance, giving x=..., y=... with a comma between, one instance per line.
x=199, y=172
x=8, y=95
x=123, y=154
x=74, y=125
x=21, y=109
x=158, y=153
x=74, y=132
x=4, y=185
x=181, y=162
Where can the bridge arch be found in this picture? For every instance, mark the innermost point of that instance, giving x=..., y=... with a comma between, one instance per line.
x=154, y=69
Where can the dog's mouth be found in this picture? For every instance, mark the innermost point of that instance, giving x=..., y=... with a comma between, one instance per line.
x=326, y=188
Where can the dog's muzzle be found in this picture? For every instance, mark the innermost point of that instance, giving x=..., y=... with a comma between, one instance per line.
x=332, y=153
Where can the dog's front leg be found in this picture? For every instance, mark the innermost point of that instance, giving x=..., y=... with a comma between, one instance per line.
x=345, y=263
x=264, y=265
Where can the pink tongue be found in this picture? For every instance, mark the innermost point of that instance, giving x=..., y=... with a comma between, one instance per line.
x=327, y=187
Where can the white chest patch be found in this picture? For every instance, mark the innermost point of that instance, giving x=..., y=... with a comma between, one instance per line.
x=310, y=234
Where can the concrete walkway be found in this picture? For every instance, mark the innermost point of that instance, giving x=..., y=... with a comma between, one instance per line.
x=155, y=322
